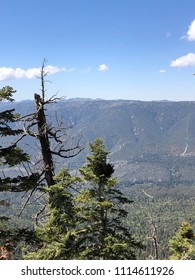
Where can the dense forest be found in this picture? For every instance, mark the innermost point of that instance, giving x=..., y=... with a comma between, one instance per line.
x=51, y=213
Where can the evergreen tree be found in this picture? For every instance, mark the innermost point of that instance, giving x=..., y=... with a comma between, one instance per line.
x=182, y=245
x=11, y=156
x=57, y=235
x=102, y=234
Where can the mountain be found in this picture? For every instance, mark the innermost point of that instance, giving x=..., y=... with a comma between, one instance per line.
x=148, y=141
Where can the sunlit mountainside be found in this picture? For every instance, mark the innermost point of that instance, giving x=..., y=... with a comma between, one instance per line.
x=148, y=141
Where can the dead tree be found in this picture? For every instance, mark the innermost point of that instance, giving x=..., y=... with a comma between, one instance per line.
x=154, y=238
x=44, y=140
x=36, y=125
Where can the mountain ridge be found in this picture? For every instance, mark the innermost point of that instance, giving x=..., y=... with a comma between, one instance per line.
x=149, y=141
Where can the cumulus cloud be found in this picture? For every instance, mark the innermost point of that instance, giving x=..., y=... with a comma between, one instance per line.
x=8, y=73
x=191, y=32
x=184, y=61
x=103, y=68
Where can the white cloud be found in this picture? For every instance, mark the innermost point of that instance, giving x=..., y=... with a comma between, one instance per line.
x=184, y=61
x=103, y=68
x=162, y=71
x=191, y=32
x=8, y=73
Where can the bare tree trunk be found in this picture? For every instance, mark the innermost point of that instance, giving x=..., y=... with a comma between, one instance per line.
x=154, y=238
x=47, y=135
x=44, y=140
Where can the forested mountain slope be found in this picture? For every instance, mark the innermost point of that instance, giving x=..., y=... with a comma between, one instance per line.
x=148, y=141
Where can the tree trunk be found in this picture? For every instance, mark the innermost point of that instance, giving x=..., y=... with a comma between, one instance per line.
x=44, y=141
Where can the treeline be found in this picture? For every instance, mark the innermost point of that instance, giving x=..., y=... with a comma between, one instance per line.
x=83, y=216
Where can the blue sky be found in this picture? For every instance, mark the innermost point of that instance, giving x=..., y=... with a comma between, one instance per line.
x=111, y=49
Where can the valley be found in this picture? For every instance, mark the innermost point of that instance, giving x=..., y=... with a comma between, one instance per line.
x=152, y=148
x=148, y=141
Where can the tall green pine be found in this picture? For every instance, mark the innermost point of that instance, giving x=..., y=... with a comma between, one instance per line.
x=10, y=154
x=57, y=234
x=103, y=234
x=10, y=157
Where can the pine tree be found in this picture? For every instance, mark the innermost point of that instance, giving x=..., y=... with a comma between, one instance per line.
x=57, y=235
x=102, y=215
x=182, y=245
x=11, y=156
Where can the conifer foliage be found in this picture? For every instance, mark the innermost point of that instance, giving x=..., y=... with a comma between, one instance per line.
x=102, y=215
x=57, y=234
x=11, y=156
x=86, y=224
x=83, y=223
x=182, y=245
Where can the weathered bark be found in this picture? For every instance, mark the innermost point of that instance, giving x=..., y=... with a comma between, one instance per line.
x=44, y=141
x=47, y=135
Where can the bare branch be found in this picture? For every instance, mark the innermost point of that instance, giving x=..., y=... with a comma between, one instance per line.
x=26, y=117
x=25, y=204
x=68, y=152
x=52, y=99
x=53, y=135
x=27, y=129
x=36, y=198
x=39, y=213
x=26, y=169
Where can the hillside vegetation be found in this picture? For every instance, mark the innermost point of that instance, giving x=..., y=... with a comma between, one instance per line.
x=151, y=152
x=148, y=141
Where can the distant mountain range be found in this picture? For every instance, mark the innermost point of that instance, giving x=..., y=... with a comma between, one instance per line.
x=148, y=141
